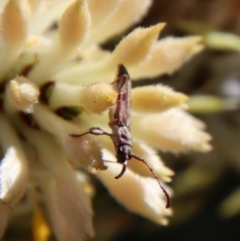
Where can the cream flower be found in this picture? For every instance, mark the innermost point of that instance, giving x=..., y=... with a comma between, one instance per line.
x=56, y=81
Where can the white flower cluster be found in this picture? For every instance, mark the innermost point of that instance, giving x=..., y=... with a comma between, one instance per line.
x=51, y=61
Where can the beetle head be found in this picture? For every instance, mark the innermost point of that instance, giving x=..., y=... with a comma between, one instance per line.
x=124, y=153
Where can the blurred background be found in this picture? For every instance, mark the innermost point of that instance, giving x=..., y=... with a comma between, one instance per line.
x=206, y=187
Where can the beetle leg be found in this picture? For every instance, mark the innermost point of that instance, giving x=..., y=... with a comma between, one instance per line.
x=94, y=131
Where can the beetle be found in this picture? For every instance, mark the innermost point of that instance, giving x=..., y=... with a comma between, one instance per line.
x=120, y=120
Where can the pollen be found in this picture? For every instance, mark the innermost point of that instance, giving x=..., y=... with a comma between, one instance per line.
x=98, y=97
x=23, y=94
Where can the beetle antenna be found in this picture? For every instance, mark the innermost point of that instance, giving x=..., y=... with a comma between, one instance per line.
x=168, y=199
x=108, y=161
x=124, y=167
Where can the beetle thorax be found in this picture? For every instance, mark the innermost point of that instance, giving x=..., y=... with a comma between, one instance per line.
x=121, y=136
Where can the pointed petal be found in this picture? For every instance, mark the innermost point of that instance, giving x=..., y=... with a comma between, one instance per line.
x=156, y=98
x=13, y=177
x=126, y=14
x=153, y=160
x=72, y=200
x=14, y=28
x=60, y=227
x=140, y=195
x=13, y=168
x=71, y=35
x=72, y=146
x=74, y=204
x=101, y=12
x=167, y=56
x=34, y=4
x=132, y=50
x=51, y=10
x=95, y=98
x=173, y=130
x=14, y=22
x=84, y=152
x=136, y=46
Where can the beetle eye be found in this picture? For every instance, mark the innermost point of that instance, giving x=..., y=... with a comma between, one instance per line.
x=119, y=151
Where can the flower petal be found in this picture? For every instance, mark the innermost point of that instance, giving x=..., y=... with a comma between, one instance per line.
x=60, y=227
x=173, y=130
x=14, y=27
x=167, y=56
x=72, y=146
x=152, y=159
x=34, y=4
x=14, y=22
x=84, y=152
x=13, y=168
x=132, y=50
x=71, y=198
x=47, y=13
x=136, y=46
x=156, y=98
x=118, y=22
x=140, y=195
x=71, y=35
x=94, y=98
x=101, y=12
